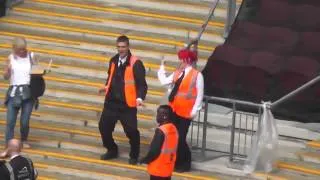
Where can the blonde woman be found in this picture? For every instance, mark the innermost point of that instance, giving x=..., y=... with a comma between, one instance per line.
x=17, y=71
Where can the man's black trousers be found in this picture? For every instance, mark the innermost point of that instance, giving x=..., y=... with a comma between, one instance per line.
x=159, y=178
x=128, y=119
x=183, y=161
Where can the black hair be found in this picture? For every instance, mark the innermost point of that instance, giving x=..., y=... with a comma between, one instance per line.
x=168, y=109
x=123, y=38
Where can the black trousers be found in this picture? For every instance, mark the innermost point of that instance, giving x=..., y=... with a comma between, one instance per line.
x=183, y=160
x=159, y=178
x=2, y=8
x=128, y=118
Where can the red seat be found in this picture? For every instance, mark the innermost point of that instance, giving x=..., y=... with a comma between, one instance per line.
x=253, y=84
x=267, y=61
x=308, y=68
x=309, y=45
x=312, y=2
x=306, y=17
x=303, y=65
x=232, y=55
x=246, y=35
x=222, y=69
x=280, y=40
x=274, y=13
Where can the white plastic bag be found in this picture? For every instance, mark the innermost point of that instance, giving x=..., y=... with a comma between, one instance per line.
x=265, y=144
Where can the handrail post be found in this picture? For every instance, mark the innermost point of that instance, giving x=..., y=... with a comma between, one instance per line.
x=231, y=14
x=233, y=128
x=204, y=128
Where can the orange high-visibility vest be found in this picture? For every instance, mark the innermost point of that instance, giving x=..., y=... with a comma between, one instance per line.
x=130, y=92
x=185, y=98
x=163, y=166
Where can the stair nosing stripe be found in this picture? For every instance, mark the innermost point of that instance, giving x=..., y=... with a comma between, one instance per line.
x=72, y=131
x=268, y=176
x=314, y=144
x=289, y=166
x=99, y=33
x=45, y=178
x=81, y=82
x=75, y=17
x=130, y=12
x=82, y=56
x=59, y=90
x=47, y=166
x=50, y=39
x=109, y=163
x=82, y=107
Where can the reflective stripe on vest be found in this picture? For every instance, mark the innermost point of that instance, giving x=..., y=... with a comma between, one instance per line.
x=129, y=83
x=186, y=96
x=9, y=167
x=163, y=165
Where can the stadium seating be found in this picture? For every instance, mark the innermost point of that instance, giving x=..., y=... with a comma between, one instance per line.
x=282, y=43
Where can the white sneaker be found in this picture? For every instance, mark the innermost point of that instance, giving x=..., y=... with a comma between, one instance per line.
x=26, y=145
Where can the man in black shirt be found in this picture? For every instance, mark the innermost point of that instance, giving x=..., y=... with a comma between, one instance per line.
x=19, y=167
x=125, y=90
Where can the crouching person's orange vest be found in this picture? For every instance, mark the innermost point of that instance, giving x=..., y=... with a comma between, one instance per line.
x=163, y=166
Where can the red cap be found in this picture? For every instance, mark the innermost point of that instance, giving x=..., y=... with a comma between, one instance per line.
x=187, y=56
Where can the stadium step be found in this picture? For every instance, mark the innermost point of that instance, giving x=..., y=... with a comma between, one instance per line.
x=93, y=57
x=221, y=117
x=308, y=156
x=104, y=48
x=162, y=32
x=114, y=167
x=97, y=32
x=70, y=171
x=315, y=145
x=80, y=37
x=307, y=168
x=60, y=101
x=47, y=175
x=137, y=15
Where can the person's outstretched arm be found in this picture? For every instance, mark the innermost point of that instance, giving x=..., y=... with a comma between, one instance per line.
x=164, y=80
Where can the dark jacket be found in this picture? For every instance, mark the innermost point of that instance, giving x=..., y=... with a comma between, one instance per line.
x=21, y=168
x=116, y=93
x=155, y=147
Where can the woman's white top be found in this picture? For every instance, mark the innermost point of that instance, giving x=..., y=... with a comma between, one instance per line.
x=20, y=69
x=164, y=80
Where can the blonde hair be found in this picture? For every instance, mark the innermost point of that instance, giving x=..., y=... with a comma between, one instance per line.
x=19, y=42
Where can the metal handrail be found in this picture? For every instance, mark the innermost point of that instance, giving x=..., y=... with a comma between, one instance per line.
x=233, y=103
x=205, y=24
x=228, y=100
x=295, y=92
x=231, y=14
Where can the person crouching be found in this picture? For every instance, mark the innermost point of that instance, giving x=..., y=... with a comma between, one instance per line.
x=162, y=154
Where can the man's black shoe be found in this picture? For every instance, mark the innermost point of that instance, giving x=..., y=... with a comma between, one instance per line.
x=133, y=161
x=109, y=155
x=182, y=169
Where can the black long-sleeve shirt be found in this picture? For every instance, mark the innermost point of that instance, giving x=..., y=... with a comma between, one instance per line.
x=116, y=93
x=155, y=147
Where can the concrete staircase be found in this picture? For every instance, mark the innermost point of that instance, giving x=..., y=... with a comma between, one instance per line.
x=79, y=35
